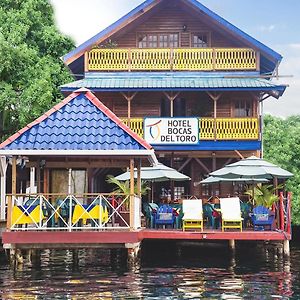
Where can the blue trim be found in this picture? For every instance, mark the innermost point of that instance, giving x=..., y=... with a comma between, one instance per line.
x=225, y=24
x=108, y=29
x=213, y=146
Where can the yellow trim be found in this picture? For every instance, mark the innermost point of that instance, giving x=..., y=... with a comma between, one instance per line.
x=181, y=59
x=226, y=128
x=232, y=224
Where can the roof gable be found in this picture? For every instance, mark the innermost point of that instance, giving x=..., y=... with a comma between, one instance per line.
x=79, y=122
x=149, y=5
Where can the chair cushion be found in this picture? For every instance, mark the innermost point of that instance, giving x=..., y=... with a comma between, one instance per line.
x=261, y=217
x=165, y=216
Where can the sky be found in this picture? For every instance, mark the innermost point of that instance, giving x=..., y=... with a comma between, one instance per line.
x=276, y=23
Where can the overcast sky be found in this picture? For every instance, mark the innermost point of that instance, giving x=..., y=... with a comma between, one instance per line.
x=273, y=22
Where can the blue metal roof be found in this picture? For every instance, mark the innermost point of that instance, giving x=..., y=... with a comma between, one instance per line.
x=173, y=81
x=77, y=125
x=215, y=17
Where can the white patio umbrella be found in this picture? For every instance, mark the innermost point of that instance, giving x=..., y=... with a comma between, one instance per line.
x=157, y=173
x=252, y=167
x=213, y=179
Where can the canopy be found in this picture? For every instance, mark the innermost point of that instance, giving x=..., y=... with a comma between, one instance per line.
x=157, y=173
x=252, y=167
x=213, y=179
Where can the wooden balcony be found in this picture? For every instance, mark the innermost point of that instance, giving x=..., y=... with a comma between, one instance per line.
x=214, y=129
x=189, y=59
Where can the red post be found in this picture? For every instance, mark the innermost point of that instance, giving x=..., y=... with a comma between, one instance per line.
x=289, y=217
x=281, y=212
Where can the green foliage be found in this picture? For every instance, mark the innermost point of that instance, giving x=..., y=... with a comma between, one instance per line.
x=30, y=66
x=282, y=147
x=263, y=195
x=123, y=187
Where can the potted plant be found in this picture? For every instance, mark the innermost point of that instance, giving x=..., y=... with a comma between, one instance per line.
x=264, y=195
x=123, y=188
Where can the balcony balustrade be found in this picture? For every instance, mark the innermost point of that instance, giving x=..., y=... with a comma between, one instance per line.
x=214, y=129
x=183, y=59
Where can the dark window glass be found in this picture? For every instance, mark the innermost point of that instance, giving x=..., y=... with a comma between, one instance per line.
x=200, y=40
x=243, y=108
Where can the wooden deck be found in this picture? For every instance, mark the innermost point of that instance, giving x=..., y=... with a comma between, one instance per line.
x=125, y=238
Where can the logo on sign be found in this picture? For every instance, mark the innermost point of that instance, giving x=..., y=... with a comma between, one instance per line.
x=171, y=130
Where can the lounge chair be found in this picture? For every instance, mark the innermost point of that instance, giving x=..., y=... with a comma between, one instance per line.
x=231, y=213
x=192, y=214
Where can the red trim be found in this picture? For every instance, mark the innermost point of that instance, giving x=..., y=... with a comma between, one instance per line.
x=61, y=238
x=91, y=97
x=116, y=119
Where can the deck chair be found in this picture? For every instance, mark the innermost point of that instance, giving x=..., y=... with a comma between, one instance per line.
x=231, y=213
x=192, y=214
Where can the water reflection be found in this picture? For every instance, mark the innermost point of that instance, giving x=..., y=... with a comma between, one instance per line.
x=191, y=273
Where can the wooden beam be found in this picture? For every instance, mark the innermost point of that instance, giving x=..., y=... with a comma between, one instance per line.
x=239, y=154
x=84, y=164
x=10, y=203
x=184, y=164
x=139, y=181
x=171, y=98
x=129, y=97
x=131, y=198
x=202, y=165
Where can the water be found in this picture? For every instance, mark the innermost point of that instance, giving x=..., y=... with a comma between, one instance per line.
x=168, y=271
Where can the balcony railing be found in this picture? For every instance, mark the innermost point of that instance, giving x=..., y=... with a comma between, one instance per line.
x=71, y=212
x=214, y=129
x=188, y=59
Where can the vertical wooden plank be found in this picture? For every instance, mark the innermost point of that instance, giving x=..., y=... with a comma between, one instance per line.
x=131, y=199
x=10, y=203
x=46, y=178
x=257, y=61
x=86, y=61
x=139, y=181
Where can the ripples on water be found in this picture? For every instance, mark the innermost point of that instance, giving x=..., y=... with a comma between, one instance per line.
x=167, y=272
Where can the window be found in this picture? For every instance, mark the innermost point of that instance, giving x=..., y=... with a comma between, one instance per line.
x=200, y=40
x=243, y=108
x=158, y=40
x=178, y=192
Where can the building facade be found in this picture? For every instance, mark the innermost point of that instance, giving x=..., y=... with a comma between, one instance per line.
x=186, y=80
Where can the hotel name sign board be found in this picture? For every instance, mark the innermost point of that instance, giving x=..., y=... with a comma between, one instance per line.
x=171, y=131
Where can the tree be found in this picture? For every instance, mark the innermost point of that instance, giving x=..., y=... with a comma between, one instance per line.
x=282, y=147
x=30, y=66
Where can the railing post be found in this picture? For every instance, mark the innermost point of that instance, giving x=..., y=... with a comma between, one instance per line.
x=129, y=59
x=171, y=59
x=101, y=211
x=41, y=212
x=70, y=213
x=289, y=217
x=281, y=212
x=10, y=206
x=214, y=59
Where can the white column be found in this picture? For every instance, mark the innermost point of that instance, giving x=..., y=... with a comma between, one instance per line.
x=70, y=182
x=32, y=180
x=3, y=167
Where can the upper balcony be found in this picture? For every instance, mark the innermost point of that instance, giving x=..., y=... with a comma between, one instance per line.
x=179, y=59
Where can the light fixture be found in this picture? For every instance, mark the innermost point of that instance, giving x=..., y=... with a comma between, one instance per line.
x=184, y=27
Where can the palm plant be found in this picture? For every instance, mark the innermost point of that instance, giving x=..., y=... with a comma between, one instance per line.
x=264, y=195
x=123, y=187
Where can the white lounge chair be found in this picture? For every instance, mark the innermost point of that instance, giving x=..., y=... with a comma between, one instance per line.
x=192, y=214
x=231, y=213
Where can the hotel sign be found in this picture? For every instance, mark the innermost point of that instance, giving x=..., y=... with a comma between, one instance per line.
x=170, y=131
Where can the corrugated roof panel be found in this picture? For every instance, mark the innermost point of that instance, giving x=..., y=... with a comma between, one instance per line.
x=77, y=125
x=168, y=82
